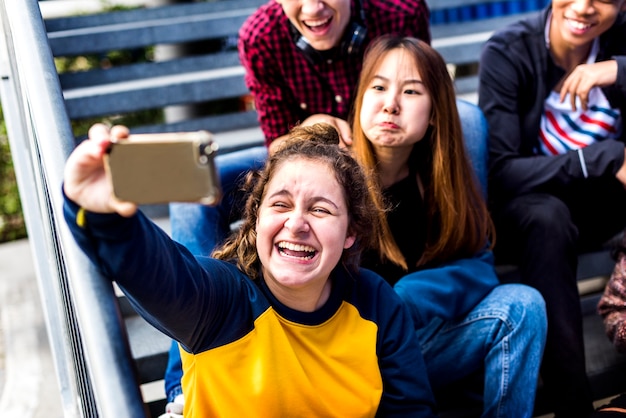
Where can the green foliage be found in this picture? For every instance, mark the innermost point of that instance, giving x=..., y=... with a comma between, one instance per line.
x=12, y=225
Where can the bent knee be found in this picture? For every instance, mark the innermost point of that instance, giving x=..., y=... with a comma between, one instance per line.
x=542, y=210
x=524, y=305
x=529, y=307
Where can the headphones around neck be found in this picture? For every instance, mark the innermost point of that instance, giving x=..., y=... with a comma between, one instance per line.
x=351, y=42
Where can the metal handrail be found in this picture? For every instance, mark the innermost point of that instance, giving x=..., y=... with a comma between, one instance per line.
x=86, y=331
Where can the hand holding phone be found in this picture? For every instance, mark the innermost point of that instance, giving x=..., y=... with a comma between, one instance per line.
x=164, y=167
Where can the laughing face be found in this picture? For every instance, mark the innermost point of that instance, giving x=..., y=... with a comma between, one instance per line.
x=322, y=23
x=576, y=23
x=302, y=230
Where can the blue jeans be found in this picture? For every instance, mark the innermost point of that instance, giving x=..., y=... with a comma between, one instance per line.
x=505, y=333
x=200, y=227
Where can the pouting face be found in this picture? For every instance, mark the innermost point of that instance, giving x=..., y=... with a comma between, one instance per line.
x=396, y=106
x=302, y=228
x=577, y=22
x=322, y=23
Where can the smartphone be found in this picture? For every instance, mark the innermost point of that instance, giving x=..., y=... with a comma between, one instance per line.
x=164, y=167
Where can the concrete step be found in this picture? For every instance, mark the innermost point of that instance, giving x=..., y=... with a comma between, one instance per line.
x=28, y=379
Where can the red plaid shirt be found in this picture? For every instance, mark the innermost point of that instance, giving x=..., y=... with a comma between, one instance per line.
x=287, y=88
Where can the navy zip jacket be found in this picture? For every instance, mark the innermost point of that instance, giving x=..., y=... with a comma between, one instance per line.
x=514, y=84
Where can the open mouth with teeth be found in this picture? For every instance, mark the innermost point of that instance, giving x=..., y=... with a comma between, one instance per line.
x=303, y=252
x=316, y=26
x=578, y=26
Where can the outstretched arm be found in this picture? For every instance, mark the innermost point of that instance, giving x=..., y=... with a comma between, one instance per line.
x=148, y=266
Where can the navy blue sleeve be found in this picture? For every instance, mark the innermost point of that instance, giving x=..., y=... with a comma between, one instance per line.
x=184, y=297
x=448, y=291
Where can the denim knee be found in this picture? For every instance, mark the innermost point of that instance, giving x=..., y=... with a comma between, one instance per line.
x=526, y=307
x=517, y=305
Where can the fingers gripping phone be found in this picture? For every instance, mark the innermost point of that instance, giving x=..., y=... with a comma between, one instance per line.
x=164, y=167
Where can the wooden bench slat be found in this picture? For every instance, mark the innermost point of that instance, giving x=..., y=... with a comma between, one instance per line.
x=148, y=70
x=146, y=14
x=231, y=131
x=140, y=34
x=449, y=4
x=155, y=92
x=215, y=123
x=461, y=53
x=442, y=33
x=242, y=138
x=149, y=348
x=466, y=85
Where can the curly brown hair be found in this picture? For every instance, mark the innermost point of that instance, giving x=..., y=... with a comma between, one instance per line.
x=319, y=143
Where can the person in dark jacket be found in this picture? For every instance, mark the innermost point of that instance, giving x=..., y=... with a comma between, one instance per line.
x=553, y=90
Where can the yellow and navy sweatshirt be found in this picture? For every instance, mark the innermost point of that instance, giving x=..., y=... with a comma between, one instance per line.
x=244, y=353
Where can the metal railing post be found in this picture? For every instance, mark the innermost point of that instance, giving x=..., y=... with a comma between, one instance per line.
x=92, y=356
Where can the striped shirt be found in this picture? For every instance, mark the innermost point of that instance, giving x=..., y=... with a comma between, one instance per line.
x=563, y=129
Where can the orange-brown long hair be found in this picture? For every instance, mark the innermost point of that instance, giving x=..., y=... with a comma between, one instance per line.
x=458, y=222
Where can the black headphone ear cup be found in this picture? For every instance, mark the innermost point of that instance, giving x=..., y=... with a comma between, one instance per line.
x=307, y=50
x=354, y=41
x=304, y=46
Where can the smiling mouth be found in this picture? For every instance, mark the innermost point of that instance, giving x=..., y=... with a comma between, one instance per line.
x=317, y=25
x=578, y=25
x=302, y=252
